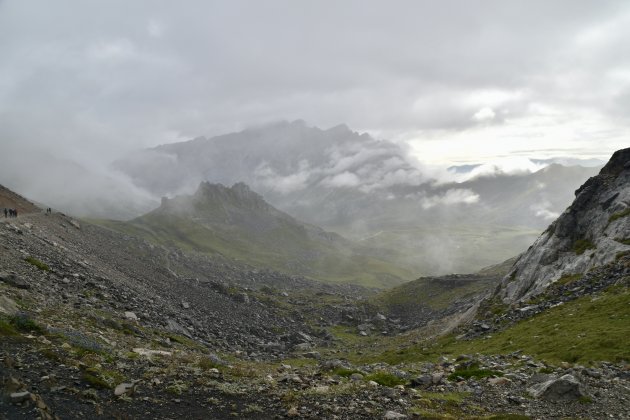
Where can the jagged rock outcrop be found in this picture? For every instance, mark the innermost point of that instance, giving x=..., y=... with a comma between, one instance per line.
x=590, y=233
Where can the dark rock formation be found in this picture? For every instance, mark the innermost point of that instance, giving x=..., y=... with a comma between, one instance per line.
x=590, y=233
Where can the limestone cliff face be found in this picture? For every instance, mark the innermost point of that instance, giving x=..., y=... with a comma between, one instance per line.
x=591, y=232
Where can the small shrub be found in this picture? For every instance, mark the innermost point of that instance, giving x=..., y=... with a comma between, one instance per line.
x=37, y=263
x=95, y=381
x=472, y=371
x=584, y=399
x=385, y=379
x=24, y=323
x=581, y=245
x=6, y=328
x=207, y=364
x=102, y=378
x=344, y=372
x=177, y=387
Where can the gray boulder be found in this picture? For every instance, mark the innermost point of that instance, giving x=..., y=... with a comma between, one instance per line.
x=565, y=388
x=176, y=328
x=8, y=306
x=13, y=280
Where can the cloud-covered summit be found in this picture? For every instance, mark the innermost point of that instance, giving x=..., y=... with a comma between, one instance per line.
x=457, y=80
x=277, y=159
x=339, y=177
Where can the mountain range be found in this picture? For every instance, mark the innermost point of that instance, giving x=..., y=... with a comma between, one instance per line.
x=373, y=191
x=147, y=318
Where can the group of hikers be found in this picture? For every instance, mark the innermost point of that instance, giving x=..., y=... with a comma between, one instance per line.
x=10, y=212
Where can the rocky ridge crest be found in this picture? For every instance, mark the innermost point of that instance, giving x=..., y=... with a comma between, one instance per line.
x=590, y=233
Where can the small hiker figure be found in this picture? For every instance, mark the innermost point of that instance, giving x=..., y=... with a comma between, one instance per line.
x=6, y=212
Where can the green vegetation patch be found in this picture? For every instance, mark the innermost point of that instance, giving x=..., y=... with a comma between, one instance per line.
x=585, y=330
x=581, y=245
x=433, y=292
x=6, y=328
x=101, y=378
x=443, y=405
x=37, y=263
x=619, y=215
x=286, y=248
x=206, y=364
x=94, y=381
x=385, y=379
x=177, y=387
x=568, y=279
x=473, y=371
x=24, y=323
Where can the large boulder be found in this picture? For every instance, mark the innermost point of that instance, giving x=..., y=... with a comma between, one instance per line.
x=8, y=306
x=13, y=280
x=565, y=388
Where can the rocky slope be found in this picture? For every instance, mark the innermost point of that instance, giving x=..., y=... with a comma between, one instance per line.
x=107, y=325
x=591, y=232
x=12, y=200
x=237, y=223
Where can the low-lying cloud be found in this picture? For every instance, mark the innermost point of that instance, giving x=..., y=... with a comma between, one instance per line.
x=543, y=210
x=450, y=197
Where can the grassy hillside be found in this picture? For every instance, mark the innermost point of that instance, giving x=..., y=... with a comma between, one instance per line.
x=435, y=293
x=285, y=247
x=586, y=330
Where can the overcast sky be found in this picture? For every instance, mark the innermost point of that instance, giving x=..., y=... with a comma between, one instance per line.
x=462, y=81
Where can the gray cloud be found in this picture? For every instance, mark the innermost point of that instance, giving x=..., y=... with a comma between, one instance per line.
x=91, y=81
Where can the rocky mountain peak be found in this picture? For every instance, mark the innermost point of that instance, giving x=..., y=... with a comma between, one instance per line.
x=239, y=195
x=620, y=161
x=590, y=233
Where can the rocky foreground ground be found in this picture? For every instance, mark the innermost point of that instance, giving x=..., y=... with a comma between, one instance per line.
x=95, y=323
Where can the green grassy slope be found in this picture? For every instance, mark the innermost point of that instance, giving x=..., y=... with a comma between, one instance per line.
x=586, y=330
x=433, y=292
x=285, y=248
